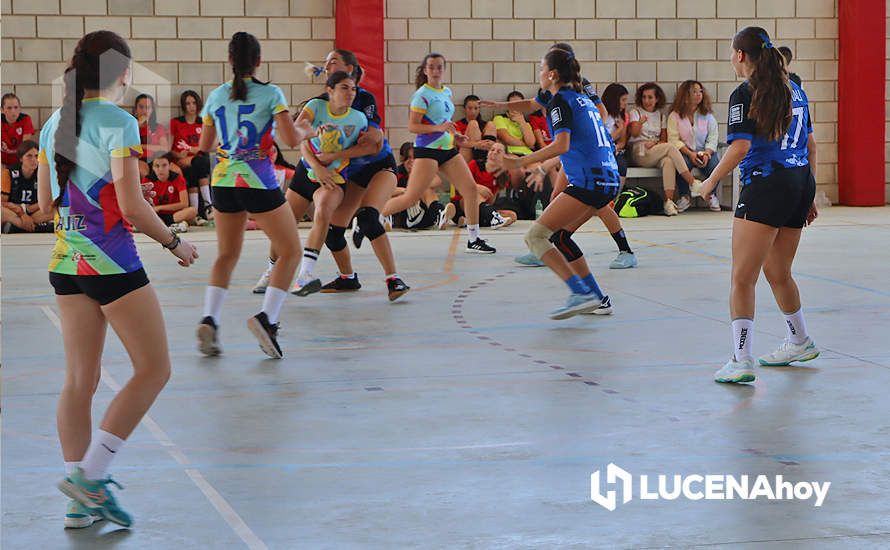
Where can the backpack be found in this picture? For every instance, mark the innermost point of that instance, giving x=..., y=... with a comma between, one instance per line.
x=636, y=202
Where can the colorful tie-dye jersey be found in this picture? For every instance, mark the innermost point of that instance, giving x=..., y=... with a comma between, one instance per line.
x=245, y=130
x=436, y=107
x=334, y=133
x=92, y=236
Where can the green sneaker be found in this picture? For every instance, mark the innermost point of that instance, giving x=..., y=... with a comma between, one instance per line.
x=79, y=516
x=94, y=495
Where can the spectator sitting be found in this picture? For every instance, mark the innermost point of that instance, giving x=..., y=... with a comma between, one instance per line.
x=786, y=53
x=152, y=135
x=171, y=199
x=284, y=170
x=538, y=122
x=17, y=128
x=513, y=131
x=692, y=129
x=428, y=211
x=186, y=134
x=474, y=127
x=648, y=143
x=521, y=197
x=19, y=193
x=615, y=101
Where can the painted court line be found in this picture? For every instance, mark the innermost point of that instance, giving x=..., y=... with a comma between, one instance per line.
x=217, y=500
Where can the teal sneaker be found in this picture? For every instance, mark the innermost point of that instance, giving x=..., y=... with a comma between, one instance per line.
x=79, y=516
x=735, y=372
x=625, y=260
x=95, y=496
x=528, y=260
x=577, y=303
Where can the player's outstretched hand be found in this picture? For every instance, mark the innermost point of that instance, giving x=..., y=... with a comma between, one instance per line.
x=186, y=252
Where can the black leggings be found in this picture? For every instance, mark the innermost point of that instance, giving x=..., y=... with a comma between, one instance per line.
x=199, y=169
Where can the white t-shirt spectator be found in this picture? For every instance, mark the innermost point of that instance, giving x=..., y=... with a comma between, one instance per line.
x=651, y=129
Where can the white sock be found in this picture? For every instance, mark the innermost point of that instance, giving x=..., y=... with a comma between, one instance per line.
x=271, y=264
x=348, y=276
x=742, y=334
x=797, y=327
x=272, y=302
x=310, y=256
x=69, y=466
x=473, y=231
x=213, y=302
x=193, y=199
x=100, y=453
x=205, y=193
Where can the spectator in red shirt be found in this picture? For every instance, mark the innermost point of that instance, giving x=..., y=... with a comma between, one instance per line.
x=17, y=128
x=475, y=128
x=170, y=200
x=185, y=133
x=539, y=127
x=152, y=134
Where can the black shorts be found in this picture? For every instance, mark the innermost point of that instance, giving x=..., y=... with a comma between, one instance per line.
x=363, y=176
x=302, y=185
x=781, y=199
x=231, y=200
x=439, y=155
x=101, y=288
x=597, y=197
x=197, y=170
x=621, y=159
x=166, y=217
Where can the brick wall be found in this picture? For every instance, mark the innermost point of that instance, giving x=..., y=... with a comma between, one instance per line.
x=492, y=46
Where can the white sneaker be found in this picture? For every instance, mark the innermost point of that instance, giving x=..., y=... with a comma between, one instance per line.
x=498, y=221
x=734, y=372
x=789, y=353
x=263, y=283
x=577, y=303
x=181, y=227
x=714, y=204
x=695, y=188
x=670, y=209
x=445, y=214
x=683, y=204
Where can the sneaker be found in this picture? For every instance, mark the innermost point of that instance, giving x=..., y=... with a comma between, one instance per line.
x=207, y=337
x=263, y=283
x=357, y=236
x=695, y=188
x=95, y=496
x=683, y=204
x=387, y=223
x=342, y=284
x=199, y=221
x=714, y=204
x=624, y=260
x=181, y=227
x=789, y=353
x=498, y=221
x=670, y=209
x=79, y=516
x=413, y=215
x=604, y=308
x=529, y=260
x=445, y=214
x=479, y=246
x=266, y=334
x=305, y=287
x=734, y=372
x=577, y=303
x=396, y=288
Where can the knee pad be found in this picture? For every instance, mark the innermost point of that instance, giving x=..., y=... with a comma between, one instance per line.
x=335, y=241
x=369, y=222
x=562, y=239
x=538, y=239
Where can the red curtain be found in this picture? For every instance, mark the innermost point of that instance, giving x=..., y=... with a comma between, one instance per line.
x=359, y=28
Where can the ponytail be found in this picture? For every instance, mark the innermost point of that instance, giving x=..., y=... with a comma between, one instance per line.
x=349, y=58
x=89, y=69
x=566, y=66
x=419, y=76
x=771, y=98
x=244, y=54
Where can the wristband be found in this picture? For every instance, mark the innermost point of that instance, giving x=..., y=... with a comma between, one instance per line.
x=173, y=243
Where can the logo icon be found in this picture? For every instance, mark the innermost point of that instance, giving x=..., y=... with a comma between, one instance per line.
x=613, y=474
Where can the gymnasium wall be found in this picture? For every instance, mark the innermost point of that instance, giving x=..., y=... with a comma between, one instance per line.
x=492, y=46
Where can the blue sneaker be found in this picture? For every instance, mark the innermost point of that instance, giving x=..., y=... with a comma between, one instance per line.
x=625, y=260
x=79, y=516
x=577, y=303
x=529, y=260
x=95, y=496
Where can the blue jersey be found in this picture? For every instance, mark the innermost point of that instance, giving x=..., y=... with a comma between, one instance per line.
x=436, y=107
x=765, y=156
x=544, y=96
x=590, y=160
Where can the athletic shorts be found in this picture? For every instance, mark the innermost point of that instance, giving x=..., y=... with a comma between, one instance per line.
x=364, y=174
x=441, y=156
x=597, y=197
x=100, y=288
x=199, y=168
x=231, y=200
x=302, y=185
x=166, y=217
x=621, y=159
x=781, y=199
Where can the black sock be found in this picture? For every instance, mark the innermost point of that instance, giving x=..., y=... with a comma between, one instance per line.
x=621, y=241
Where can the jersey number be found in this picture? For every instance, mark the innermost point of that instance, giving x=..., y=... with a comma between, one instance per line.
x=249, y=129
x=26, y=195
x=797, y=125
x=601, y=137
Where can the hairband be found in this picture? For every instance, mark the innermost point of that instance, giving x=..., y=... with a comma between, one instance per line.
x=766, y=43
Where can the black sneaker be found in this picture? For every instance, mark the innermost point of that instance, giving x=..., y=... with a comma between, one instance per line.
x=396, y=288
x=479, y=246
x=266, y=334
x=357, y=236
x=342, y=284
x=207, y=337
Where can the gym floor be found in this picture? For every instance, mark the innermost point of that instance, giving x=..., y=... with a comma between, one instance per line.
x=462, y=417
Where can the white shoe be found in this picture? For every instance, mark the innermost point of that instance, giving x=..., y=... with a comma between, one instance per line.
x=670, y=209
x=683, y=204
x=498, y=221
x=413, y=215
x=445, y=214
x=576, y=304
x=695, y=188
x=181, y=227
x=734, y=372
x=714, y=204
x=789, y=353
x=263, y=283
x=387, y=223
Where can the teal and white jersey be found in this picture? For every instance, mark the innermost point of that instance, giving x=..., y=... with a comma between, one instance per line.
x=436, y=107
x=333, y=133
